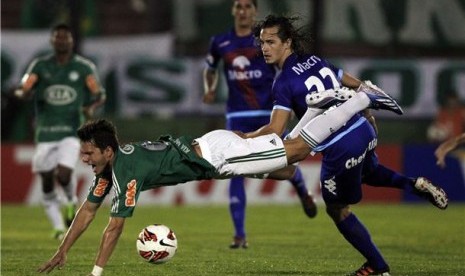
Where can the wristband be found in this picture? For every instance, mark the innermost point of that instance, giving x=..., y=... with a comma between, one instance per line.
x=97, y=271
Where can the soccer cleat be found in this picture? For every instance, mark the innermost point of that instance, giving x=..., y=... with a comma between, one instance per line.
x=366, y=269
x=58, y=234
x=379, y=99
x=327, y=98
x=426, y=189
x=239, y=242
x=310, y=208
x=70, y=212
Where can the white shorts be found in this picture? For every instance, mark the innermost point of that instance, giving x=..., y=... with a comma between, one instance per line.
x=232, y=155
x=48, y=155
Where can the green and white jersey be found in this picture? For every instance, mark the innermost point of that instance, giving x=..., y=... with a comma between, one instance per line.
x=147, y=165
x=59, y=95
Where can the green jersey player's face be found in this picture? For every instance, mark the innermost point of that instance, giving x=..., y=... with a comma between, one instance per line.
x=62, y=41
x=95, y=157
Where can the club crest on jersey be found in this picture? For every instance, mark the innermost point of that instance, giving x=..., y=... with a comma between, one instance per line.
x=60, y=94
x=73, y=76
x=127, y=149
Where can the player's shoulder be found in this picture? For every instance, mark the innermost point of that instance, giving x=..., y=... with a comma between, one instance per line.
x=223, y=37
x=42, y=59
x=83, y=61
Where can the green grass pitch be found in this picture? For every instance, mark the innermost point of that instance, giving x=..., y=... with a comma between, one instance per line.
x=416, y=239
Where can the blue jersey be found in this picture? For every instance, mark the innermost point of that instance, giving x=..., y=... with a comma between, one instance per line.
x=301, y=75
x=248, y=77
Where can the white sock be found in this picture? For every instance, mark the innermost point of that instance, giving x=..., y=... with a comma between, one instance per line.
x=52, y=209
x=321, y=127
x=309, y=114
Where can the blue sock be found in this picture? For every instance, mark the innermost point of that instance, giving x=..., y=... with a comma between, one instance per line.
x=385, y=177
x=299, y=183
x=237, y=204
x=357, y=235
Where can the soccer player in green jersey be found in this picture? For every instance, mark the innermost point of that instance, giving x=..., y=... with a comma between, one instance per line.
x=65, y=89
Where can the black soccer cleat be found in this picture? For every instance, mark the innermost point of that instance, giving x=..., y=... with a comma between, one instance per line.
x=239, y=242
x=308, y=204
x=366, y=269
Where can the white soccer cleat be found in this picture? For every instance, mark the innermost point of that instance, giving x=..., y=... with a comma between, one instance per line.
x=436, y=195
x=378, y=98
x=327, y=98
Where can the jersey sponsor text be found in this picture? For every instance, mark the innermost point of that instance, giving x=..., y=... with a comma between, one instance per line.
x=300, y=67
x=131, y=194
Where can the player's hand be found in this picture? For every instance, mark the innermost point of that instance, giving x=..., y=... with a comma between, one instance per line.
x=240, y=134
x=88, y=112
x=209, y=97
x=58, y=260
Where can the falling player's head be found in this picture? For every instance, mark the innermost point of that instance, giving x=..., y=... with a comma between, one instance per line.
x=101, y=133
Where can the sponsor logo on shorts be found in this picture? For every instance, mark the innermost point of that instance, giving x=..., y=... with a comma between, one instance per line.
x=354, y=161
x=330, y=185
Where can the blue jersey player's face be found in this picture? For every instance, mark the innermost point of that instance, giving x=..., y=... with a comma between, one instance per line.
x=244, y=13
x=95, y=157
x=275, y=51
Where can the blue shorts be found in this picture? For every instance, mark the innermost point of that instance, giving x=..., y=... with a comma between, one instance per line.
x=347, y=158
x=247, y=124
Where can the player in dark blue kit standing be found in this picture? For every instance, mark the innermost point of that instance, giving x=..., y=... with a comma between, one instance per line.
x=349, y=158
x=249, y=103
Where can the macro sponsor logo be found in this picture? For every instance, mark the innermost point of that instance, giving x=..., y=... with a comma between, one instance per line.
x=354, y=161
x=131, y=194
x=60, y=94
x=242, y=62
x=301, y=67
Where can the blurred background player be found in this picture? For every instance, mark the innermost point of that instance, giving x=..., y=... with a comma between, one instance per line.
x=249, y=103
x=349, y=157
x=450, y=119
x=65, y=88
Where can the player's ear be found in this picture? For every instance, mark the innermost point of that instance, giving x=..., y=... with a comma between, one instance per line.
x=108, y=153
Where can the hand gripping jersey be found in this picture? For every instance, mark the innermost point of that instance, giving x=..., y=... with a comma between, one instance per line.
x=60, y=93
x=147, y=165
x=248, y=77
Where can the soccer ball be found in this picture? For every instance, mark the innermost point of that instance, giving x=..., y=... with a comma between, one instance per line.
x=157, y=243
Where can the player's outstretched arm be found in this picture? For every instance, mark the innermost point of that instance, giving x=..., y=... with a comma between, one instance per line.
x=84, y=217
x=444, y=148
x=109, y=240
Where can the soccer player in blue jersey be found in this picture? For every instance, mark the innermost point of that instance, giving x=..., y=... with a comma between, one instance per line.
x=249, y=103
x=349, y=158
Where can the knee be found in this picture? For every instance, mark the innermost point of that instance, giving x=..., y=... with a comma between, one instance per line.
x=337, y=212
x=64, y=176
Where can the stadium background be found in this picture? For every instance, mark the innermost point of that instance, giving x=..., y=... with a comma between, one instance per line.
x=150, y=57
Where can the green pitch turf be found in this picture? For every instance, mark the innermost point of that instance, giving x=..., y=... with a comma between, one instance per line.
x=416, y=240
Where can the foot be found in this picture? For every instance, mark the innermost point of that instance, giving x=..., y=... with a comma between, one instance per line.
x=366, y=269
x=327, y=98
x=58, y=234
x=379, y=99
x=70, y=212
x=426, y=189
x=239, y=242
x=309, y=205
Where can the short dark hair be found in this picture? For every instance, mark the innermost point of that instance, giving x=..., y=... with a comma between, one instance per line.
x=101, y=133
x=301, y=39
x=61, y=26
x=254, y=2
